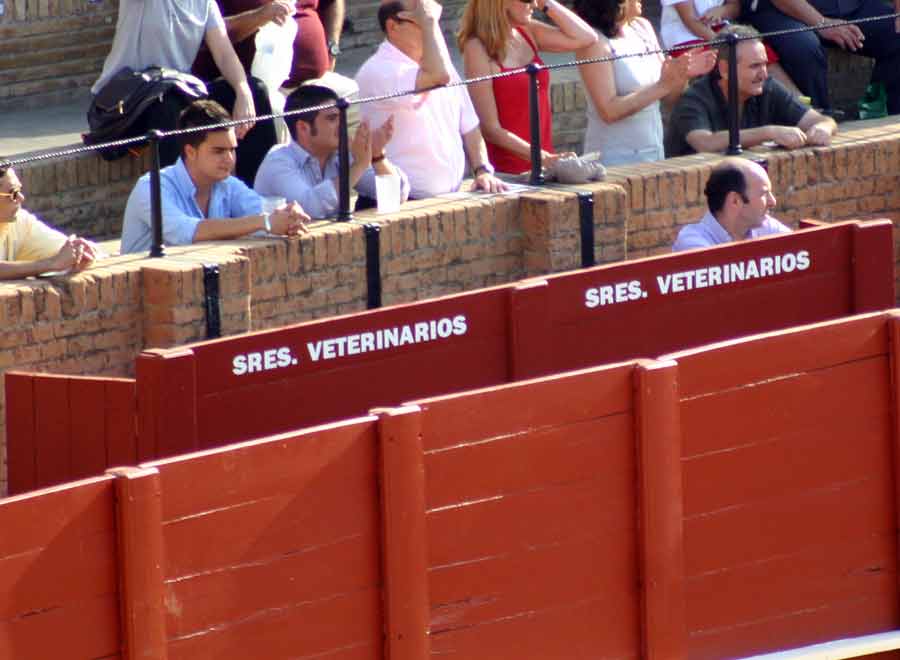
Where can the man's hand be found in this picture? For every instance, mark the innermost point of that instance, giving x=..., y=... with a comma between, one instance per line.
x=243, y=109
x=382, y=135
x=789, y=137
x=76, y=254
x=361, y=145
x=289, y=220
x=423, y=12
x=818, y=136
x=848, y=37
x=279, y=11
x=488, y=183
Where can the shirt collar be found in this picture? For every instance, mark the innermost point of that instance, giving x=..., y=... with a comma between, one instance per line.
x=303, y=158
x=389, y=50
x=716, y=230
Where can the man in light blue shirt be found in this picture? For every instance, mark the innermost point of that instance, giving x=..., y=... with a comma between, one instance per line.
x=306, y=169
x=201, y=200
x=739, y=195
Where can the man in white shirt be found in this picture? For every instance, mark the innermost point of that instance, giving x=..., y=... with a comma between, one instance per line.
x=434, y=130
x=739, y=195
x=29, y=247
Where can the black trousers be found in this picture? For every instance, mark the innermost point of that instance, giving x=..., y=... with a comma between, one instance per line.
x=251, y=149
x=803, y=54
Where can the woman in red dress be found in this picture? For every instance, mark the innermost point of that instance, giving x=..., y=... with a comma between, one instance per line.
x=499, y=35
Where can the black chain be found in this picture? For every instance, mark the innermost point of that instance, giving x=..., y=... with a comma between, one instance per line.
x=5, y=163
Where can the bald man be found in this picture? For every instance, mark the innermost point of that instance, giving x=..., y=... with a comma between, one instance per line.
x=739, y=196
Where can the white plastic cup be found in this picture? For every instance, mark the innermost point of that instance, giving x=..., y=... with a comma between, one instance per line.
x=387, y=192
x=272, y=204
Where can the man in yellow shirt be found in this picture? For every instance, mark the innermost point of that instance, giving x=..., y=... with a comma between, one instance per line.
x=28, y=246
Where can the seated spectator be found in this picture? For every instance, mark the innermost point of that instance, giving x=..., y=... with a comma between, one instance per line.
x=624, y=120
x=29, y=247
x=769, y=112
x=500, y=35
x=739, y=196
x=685, y=23
x=306, y=169
x=316, y=45
x=803, y=53
x=201, y=201
x=436, y=128
x=169, y=33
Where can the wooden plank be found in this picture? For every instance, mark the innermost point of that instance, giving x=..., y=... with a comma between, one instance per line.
x=775, y=354
x=326, y=396
x=81, y=629
x=582, y=630
x=809, y=580
x=21, y=447
x=556, y=400
x=527, y=460
x=311, y=574
x=841, y=619
x=87, y=408
x=300, y=630
x=319, y=460
x=536, y=578
x=800, y=410
x=121, y=422
x=471, y=531
x=778, y=526
x=52, y=430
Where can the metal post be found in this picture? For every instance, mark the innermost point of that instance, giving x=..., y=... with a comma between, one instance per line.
x=534, y=114
x=734, y=107
x=156, y=217
x=344, y=212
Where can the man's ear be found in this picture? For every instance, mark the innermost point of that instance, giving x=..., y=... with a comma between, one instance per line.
x=189, y=154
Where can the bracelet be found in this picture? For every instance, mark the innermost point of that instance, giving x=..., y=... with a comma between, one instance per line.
x=378, y=158
x=267, y=223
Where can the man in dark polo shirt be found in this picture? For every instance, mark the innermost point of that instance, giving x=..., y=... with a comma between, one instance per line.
x=803, y=53
x=699, y=121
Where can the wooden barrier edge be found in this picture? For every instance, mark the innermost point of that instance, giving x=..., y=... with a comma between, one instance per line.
x=404, y=545
x=660, y=511
x=141, y=576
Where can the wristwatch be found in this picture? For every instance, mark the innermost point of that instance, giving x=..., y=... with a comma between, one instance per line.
x=485, y=167
x=334, y=48
x=267, y=223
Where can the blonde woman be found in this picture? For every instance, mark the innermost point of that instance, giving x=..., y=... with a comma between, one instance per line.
x=499, y=35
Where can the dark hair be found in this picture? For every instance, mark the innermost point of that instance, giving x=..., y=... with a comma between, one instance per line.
x=389, y=10
x=4, y=168
x=742, y=32
x=200, y=113
x=604, y=15
x=307, y=96
x=724, y=178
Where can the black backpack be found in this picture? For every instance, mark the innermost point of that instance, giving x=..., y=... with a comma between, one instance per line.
x=114, y=110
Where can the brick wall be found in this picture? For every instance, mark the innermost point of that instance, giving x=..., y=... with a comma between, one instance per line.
x=97, y=322
x=52, y=51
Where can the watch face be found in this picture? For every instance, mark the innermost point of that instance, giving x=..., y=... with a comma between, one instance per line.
x=334, y=50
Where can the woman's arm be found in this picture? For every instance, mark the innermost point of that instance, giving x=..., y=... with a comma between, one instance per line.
x=599, y=78
x=477, y=63
x=227, y=60
x=568, y=33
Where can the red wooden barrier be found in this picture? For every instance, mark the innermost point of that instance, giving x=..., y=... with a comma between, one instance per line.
x=723, y=501
x=61, y=428
x=790, y=506
x=227, y=390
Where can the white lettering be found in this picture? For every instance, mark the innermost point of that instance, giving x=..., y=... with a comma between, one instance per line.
x=802, y=260
x=239, y=365
x=591, y=298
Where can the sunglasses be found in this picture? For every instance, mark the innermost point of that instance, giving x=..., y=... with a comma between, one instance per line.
x=14, y=194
